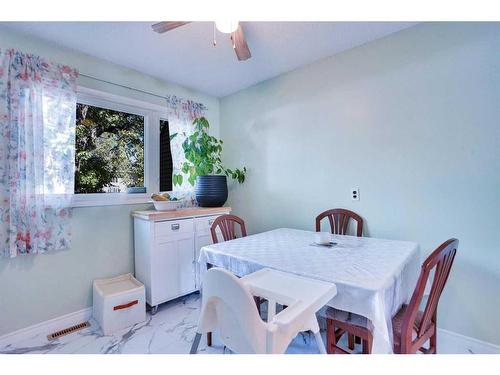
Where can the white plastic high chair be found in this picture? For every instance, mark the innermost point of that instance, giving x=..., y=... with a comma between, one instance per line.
x=228, y=305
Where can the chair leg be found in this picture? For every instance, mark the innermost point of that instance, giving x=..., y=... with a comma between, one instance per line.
x=433, y=342
x=332, y=337
x=331, y=341
x=196, y=342
x=257, y=302
x=367, y=346
x=350, y=341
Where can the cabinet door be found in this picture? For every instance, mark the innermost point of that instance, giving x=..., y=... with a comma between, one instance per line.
x=164, y=278
x=186, y=266
x=202, y=239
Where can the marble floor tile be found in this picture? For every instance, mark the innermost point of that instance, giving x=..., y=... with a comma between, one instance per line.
x=170, y=331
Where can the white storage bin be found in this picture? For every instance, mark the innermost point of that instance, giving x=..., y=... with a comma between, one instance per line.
x=118, y=302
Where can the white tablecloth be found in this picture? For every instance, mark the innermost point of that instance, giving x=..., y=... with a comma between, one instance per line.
x=374, y=277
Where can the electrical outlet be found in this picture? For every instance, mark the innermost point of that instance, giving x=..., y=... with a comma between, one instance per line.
x=355, y=194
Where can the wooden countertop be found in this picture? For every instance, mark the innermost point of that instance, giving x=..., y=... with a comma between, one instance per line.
x=154, y=215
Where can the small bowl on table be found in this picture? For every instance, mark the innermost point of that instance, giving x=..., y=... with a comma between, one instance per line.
x=165, y=205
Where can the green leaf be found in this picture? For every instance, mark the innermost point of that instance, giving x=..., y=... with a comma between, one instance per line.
x=177, y=179
x=203, y=154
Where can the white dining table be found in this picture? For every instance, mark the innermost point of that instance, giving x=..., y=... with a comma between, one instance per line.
x=374, y=277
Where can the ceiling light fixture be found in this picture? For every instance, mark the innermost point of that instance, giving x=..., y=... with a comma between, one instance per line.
x=226, y=27
x=232, y=28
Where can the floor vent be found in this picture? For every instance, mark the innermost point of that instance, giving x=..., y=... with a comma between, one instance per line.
x=67, y=331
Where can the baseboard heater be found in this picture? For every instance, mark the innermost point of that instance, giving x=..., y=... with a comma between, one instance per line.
x=67, y=331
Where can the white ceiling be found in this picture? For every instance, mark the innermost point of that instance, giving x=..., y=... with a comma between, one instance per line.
x=186, y=55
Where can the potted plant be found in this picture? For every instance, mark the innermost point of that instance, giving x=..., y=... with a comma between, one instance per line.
x=203, y=166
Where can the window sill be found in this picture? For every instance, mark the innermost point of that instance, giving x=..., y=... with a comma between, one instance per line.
x=108, y=199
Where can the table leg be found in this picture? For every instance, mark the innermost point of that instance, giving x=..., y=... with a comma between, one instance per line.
x=209, y=334
x=271, y=309
x=320, y=343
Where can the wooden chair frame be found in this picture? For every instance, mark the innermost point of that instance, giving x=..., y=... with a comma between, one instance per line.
x=339, y=221
x=424, y=324
x=335, y=330
x=441, y=260
x=227, y=227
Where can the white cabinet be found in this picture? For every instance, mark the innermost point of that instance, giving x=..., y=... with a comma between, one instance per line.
x=167, y=251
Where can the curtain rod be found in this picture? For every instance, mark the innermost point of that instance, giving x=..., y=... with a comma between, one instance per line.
x=126, y=87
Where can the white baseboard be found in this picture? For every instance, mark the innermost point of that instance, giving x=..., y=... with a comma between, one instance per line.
x=454, y=343
x=47, y=327
x=448, y=342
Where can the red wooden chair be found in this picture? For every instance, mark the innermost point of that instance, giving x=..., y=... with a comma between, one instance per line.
x=339, y=219
x=226, y=224
x=411, y=327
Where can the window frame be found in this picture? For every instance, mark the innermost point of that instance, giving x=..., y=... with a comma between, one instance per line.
x=152, y=114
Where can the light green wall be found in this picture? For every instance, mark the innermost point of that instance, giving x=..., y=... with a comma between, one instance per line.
x=37, y=288
x=413, y=120
x=41, y=287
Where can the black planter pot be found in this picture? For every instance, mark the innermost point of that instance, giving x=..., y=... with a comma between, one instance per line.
x=211, y=191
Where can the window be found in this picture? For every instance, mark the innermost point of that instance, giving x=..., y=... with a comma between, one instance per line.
x=117, y=150
x=109, y=150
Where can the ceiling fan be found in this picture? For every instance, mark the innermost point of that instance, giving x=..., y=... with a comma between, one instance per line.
x=228, y=27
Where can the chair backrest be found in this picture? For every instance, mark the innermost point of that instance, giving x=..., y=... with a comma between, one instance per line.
x=439, y=262
x=339, y=221
x=227, y=302
x=226, y=224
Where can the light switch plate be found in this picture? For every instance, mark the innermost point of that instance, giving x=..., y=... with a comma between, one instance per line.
x=355, y=194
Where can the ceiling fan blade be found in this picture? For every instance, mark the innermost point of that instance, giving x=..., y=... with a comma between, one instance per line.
x=240, y=44
x=163, y=27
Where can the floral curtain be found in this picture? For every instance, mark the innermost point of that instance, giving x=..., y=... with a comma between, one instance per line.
x=181, y=113
x=37, y=138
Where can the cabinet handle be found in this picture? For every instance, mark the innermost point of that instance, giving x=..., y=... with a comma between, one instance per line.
x=175, y=226
x=126, y=305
